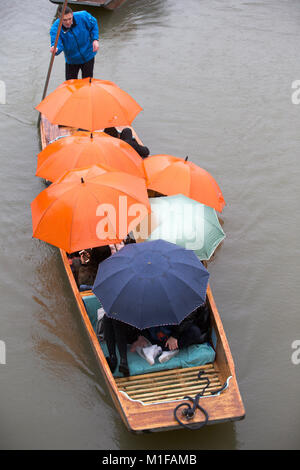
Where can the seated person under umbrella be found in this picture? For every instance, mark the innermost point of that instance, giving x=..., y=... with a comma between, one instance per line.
x=127, y=136
x=166, y=341
x=112, y=131
x=84, y=264
x=162, y=341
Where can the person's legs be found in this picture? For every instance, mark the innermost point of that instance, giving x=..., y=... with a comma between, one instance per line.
x=72, y=71
x=87, y=69
x=109, y=336
x=120, y=330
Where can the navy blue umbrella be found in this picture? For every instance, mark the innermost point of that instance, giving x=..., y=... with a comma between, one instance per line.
x=151, y=284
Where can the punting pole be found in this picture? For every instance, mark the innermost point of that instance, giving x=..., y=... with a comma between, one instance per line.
x=53, y=54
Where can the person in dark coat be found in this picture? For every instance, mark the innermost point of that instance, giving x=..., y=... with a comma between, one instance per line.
x=85, y=270
x=85, y=265
x=127, y=136
x=112, y=131
x=194, y=329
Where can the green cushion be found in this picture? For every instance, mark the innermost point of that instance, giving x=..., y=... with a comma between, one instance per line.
x=92, y=304
x=196, y=355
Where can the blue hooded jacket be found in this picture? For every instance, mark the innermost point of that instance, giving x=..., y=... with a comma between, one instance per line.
x=77, y=41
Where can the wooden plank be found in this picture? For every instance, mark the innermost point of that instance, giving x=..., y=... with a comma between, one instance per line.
x=163, y=373
x=86, y=293
x=173, y=388
x=175, y=396
x=167, y=385
x=159, y=386
x=177, y=375
x=165, y=380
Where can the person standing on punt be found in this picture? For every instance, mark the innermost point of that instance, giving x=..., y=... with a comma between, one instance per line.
x=78, y=39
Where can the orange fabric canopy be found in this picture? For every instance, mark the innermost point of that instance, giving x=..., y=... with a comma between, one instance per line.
x=89, y=207
x=90, y=104
x=84, y=149
x=171, y=175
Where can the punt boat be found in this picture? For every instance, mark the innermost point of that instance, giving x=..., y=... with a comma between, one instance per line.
x=108, y=4
x=165, y=399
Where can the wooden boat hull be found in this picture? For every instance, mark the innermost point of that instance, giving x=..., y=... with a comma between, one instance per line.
x=108, y=4
x=146, y=402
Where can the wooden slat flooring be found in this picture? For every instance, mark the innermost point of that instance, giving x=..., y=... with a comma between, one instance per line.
x=170, y=385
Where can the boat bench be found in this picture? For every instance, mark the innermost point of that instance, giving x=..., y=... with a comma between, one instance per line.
x=196, y=355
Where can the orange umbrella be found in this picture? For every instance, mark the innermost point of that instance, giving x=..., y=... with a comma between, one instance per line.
x=89, y=103
x=85, y=149
x=89, y=207
x=172, y=175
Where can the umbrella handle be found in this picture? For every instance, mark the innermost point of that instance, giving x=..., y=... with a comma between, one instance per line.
x=53, y=54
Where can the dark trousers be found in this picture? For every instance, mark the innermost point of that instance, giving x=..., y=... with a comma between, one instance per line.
x=117, y=333
x=87, y=69
x=191, y=336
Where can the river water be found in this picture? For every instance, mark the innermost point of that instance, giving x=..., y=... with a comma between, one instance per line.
x=214, y=78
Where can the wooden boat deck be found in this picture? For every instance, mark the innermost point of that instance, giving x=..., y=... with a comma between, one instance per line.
x=146, y=402
x=170, y=385
x=108, y=4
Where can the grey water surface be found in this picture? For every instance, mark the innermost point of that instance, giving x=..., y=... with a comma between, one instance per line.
x=214, y=78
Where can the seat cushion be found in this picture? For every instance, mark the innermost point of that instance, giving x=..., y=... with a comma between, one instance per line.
x=92, y=304
x=196, y=355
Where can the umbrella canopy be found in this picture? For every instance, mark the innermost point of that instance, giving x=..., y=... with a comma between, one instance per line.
x=151, y=284
x=187, y=223
x=84, y=149
x=90, y=104
x=172, y=175
x=89, y=207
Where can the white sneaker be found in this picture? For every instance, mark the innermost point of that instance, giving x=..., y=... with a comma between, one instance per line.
x=139, y=349
x=166, y=355
x=157, y=352
x=149, y=353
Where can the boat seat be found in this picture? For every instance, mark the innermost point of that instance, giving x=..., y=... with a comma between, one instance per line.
x=92, y=303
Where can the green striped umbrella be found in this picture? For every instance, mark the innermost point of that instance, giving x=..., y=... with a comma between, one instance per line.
x=188, y=223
